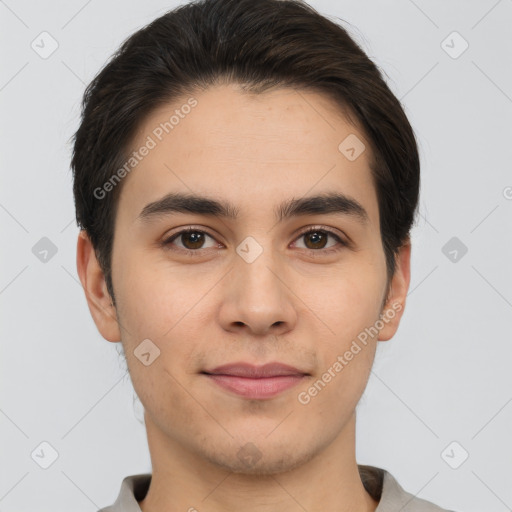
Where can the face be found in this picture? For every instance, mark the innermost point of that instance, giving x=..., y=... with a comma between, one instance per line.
x=265, y=284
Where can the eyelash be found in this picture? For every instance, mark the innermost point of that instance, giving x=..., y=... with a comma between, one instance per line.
x=190, y=252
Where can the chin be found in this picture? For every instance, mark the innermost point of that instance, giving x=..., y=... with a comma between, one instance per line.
x=251, y=460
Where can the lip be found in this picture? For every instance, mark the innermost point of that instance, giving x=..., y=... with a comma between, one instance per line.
x=256, y=382
x=252, y=371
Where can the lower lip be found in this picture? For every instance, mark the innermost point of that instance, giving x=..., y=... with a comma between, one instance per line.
x=266, y=387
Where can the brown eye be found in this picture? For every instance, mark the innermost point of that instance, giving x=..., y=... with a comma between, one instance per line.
x=317, y=239
x=190, y=239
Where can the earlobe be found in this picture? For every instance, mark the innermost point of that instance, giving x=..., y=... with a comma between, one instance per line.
x=95, y=288
x=395, y=304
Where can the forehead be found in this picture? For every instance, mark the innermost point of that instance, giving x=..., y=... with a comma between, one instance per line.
x=255, y=148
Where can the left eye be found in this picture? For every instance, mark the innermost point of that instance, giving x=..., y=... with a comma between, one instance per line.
x=317, y=238
x=192, y=240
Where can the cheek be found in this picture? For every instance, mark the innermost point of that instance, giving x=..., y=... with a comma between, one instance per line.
x=154, y=298
x=151, y=309
x=350, y=303
x=163, y=392
x=167, y=308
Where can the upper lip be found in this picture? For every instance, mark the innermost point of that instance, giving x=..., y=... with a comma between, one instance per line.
x=248, y=370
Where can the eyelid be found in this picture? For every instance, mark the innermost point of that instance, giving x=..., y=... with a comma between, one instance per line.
x=334, y=232
x=167, y=239
x=341, y=239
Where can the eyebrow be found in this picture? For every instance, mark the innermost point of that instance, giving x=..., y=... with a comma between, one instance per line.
x=328, y=203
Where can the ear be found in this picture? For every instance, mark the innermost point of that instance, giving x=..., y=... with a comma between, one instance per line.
x=399, y=286
x=93, y=282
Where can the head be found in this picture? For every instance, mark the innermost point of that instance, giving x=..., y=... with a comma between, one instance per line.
x=246, y=122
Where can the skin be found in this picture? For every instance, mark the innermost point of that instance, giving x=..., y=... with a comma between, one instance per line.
x=289, y=305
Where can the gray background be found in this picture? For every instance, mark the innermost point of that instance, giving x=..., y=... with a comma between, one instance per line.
x=444, y=378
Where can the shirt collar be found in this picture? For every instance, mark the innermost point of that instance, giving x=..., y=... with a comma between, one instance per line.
x=378, y=482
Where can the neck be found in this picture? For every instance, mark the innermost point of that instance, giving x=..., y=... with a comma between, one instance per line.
x=185, y=481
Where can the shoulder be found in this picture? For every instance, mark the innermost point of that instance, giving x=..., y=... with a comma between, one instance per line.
x=133, y=489
x=384, y=487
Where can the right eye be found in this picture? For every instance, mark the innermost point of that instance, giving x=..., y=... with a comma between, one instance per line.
x=192, y=240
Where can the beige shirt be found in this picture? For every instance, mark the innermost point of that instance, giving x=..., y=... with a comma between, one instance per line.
x=378, y=482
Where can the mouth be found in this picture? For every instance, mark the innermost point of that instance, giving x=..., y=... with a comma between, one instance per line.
x=255, y=382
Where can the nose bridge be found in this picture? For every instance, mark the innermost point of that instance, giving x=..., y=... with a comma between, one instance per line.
x=257, y=265
x=256, y=269
x=259, y=298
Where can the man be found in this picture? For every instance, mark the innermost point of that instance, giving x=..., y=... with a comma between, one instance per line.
x=245, y=182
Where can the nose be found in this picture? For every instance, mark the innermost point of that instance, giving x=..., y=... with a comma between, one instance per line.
x=258, y=299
